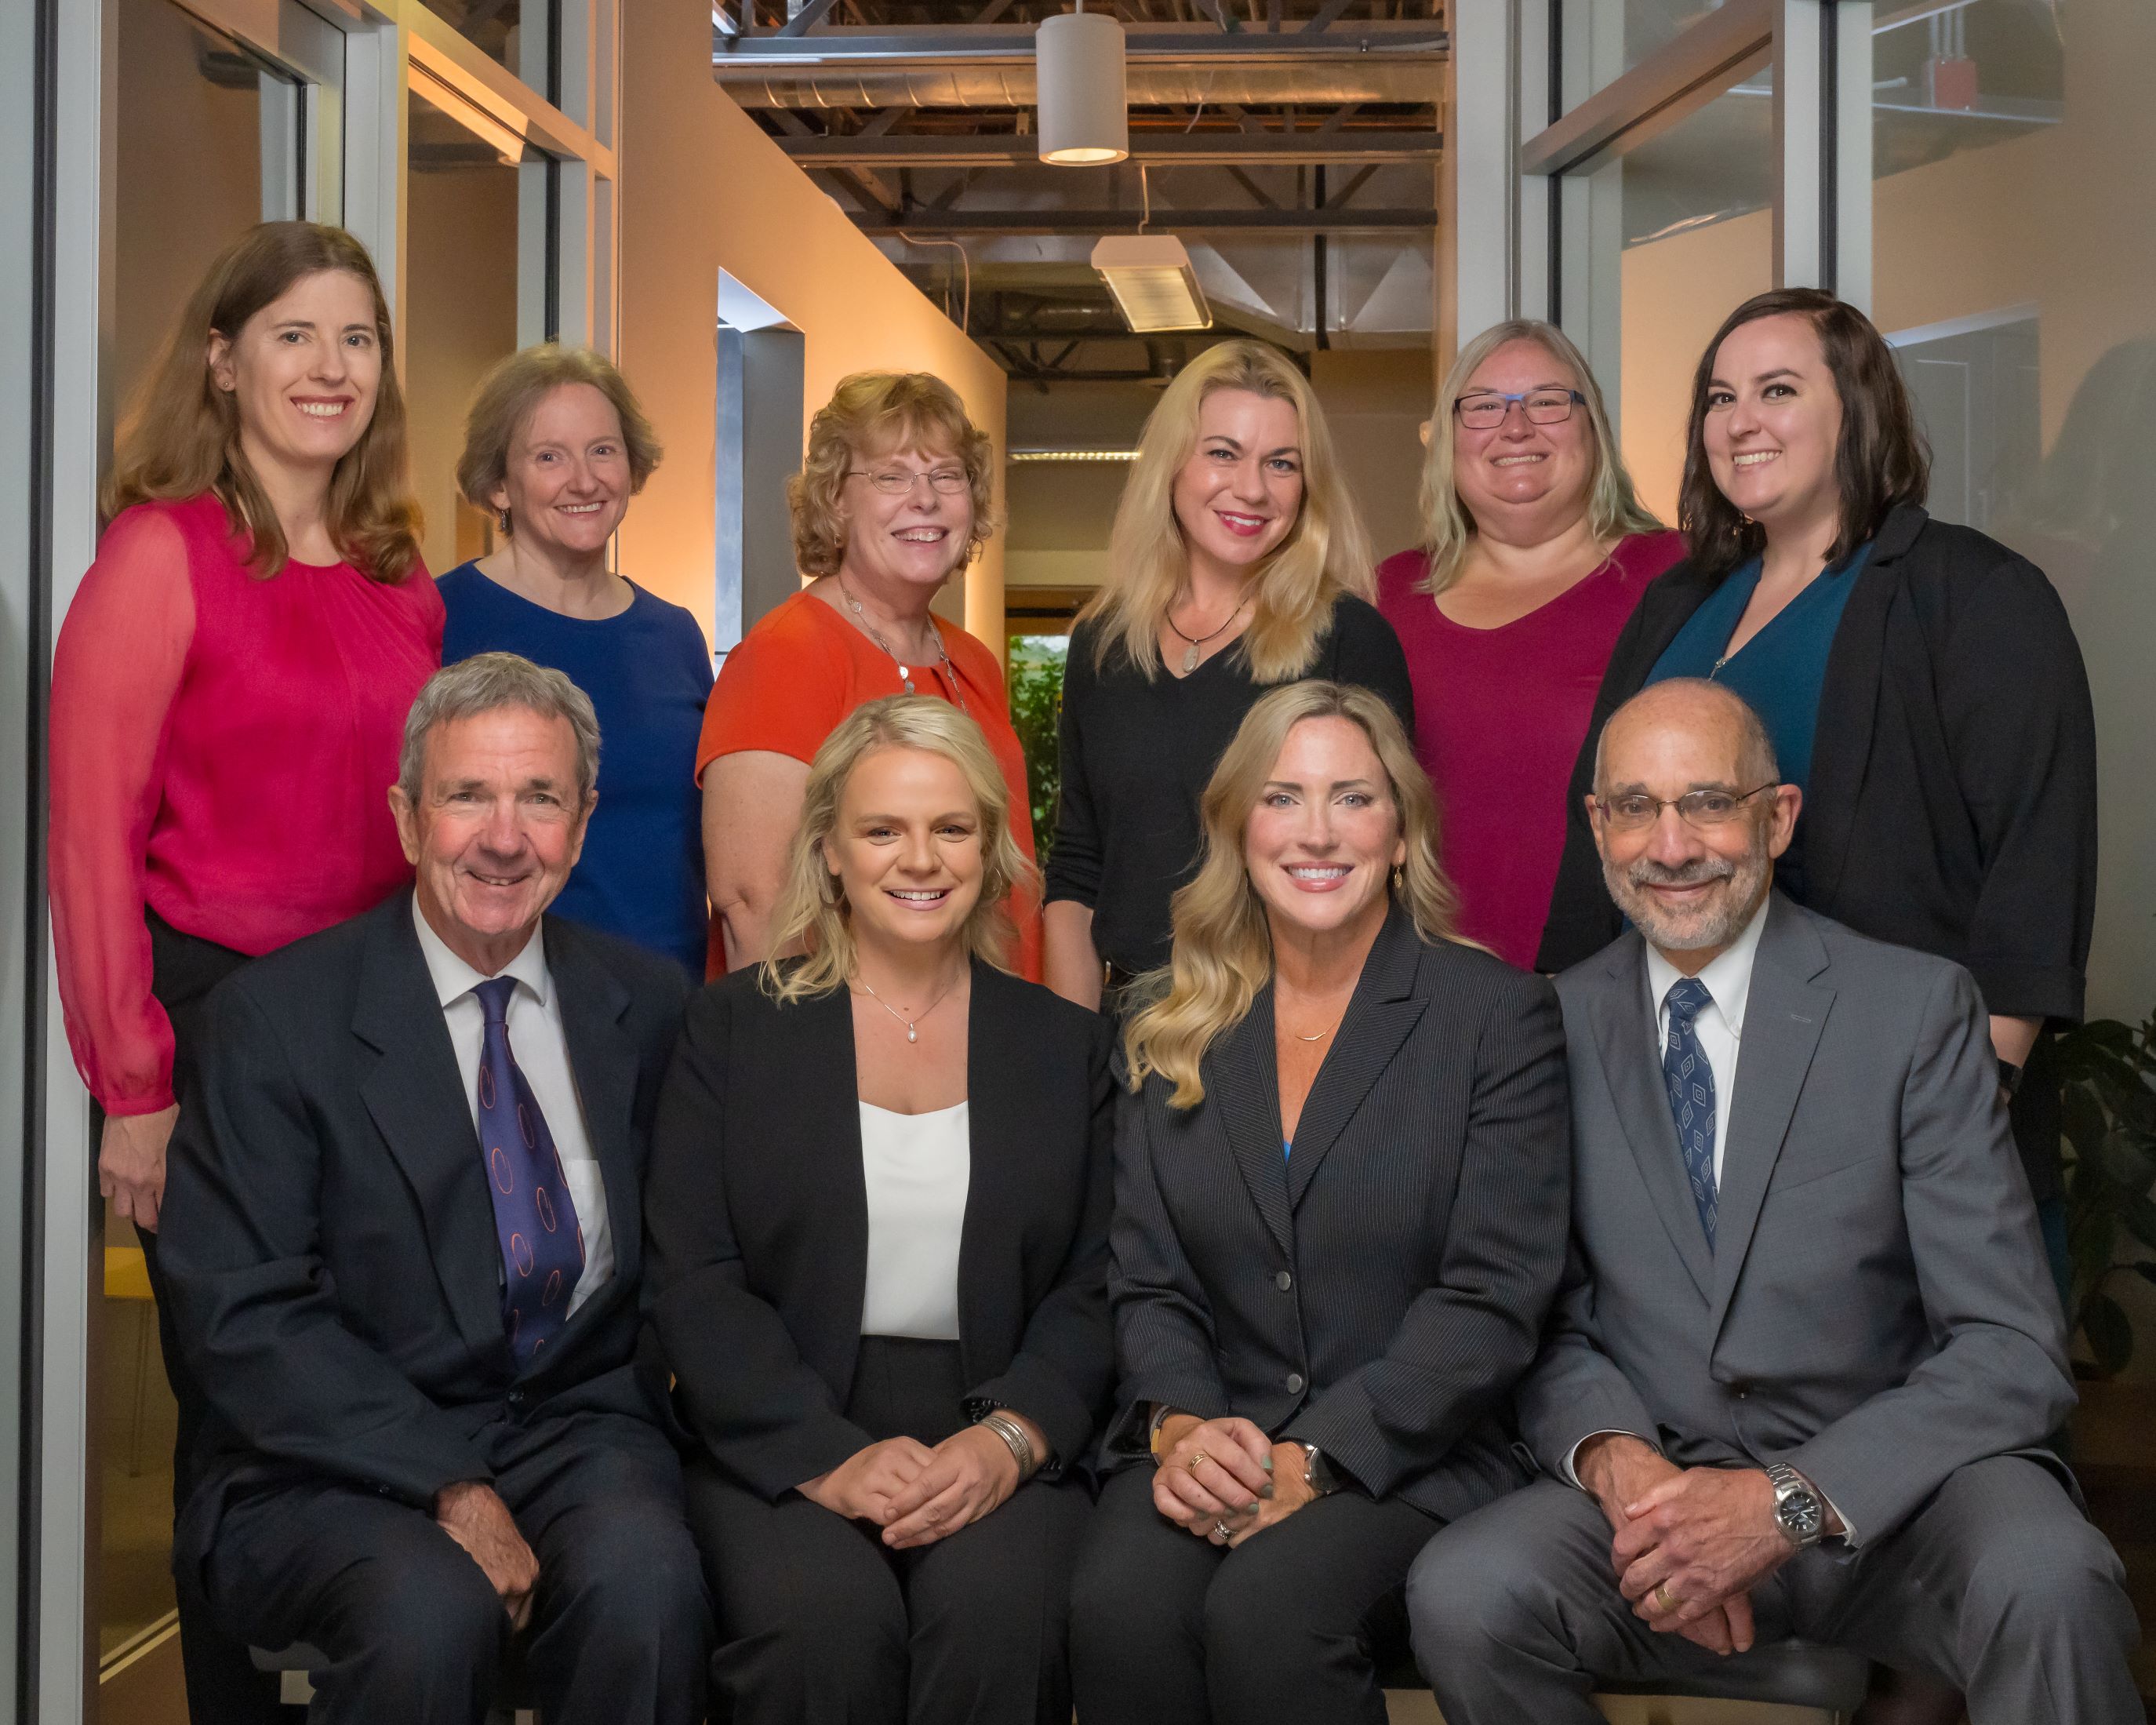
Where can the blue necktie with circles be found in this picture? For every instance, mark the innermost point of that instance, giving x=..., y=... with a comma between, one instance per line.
x=535, y=1217
x=1689, y=1083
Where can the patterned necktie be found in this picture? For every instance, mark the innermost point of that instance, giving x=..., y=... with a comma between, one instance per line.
x=1689, y=1083
x=535, y=1217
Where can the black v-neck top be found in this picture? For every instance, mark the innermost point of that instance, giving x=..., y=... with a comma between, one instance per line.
x=1136, y=752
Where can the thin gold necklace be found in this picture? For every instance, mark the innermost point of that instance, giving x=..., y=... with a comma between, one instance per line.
x=906, y=670
x=912, y=1034
x=1321, y=1035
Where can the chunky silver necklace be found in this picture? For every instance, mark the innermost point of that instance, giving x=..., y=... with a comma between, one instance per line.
x=906, y=670
x=1192, y=643
x=912, y=1034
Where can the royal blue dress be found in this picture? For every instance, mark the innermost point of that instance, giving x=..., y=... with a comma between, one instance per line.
x=647, y=672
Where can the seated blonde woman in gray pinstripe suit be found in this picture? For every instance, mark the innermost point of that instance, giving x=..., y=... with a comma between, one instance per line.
x=1341, y=1207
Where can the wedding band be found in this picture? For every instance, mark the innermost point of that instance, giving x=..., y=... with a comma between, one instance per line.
x=1196, y=1457
x=1223, y=1529
x=1663, y=1602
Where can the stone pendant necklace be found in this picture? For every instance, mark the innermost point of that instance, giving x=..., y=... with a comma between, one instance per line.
x=906, y=670
x=913, y=1035
x=1191, y=645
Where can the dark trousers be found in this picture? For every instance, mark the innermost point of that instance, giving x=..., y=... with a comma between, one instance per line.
x=820, y=1623
x=415, y=1633
x=1286, y=1629
x=223, y=1688
x=1997, y=1585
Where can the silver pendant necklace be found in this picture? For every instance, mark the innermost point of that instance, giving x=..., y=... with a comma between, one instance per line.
x=912, y=1034
x=1193, y=644
x=906, y=670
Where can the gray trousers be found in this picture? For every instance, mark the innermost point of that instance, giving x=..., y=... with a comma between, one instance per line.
x=1998, y=1585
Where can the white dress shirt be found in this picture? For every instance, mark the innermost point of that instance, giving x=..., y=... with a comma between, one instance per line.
x=541, y=1053
x=917, y=1168
x=1727, y=979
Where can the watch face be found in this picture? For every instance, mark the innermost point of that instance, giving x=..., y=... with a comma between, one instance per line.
x=1798, y=1513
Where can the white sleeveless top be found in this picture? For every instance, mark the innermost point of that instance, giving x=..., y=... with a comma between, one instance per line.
x=917, y=1167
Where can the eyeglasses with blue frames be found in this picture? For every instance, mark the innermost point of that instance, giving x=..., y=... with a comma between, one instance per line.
x=1712, y=807
x=1486, y=409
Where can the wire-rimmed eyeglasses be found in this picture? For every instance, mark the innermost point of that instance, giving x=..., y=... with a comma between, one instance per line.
x=897, y=482
x=1486, y=409
x=1710, y=808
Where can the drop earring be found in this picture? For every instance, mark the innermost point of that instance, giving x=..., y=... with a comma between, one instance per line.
x=1399, y=878
x=503, y=521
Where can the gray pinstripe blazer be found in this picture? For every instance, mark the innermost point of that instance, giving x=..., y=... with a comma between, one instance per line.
x=1876, y=1312
x=1378, y=1293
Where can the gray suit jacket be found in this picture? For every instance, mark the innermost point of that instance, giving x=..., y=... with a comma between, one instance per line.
x=1877, y=1312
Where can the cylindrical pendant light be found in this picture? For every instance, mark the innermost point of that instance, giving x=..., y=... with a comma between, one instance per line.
x=1079, y=68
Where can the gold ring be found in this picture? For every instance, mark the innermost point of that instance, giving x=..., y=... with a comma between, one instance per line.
x=1196, y=1457
x=1663, y=1602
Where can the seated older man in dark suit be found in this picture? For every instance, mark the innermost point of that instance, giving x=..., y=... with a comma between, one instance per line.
x=1810, y=1350
x=402, y=1235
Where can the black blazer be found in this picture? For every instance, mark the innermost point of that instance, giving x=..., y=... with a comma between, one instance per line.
x=759, y=1218
x=1378, y=1293
x=1952, y=805
x=328, y=1234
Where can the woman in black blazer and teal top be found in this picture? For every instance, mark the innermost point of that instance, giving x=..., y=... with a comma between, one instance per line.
x=878, y=1211
x=1342, y=1192
x=1921, y=682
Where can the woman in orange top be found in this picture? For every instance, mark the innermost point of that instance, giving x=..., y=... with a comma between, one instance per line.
x=893, y=500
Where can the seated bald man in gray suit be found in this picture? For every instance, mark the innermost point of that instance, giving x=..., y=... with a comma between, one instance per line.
x=1809, y=1350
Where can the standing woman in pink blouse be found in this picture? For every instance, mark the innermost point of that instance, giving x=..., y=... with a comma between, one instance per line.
x=230, y=692
x=1535, y=551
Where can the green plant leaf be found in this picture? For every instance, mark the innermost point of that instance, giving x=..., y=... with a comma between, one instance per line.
x=2145, y=1270
x=2125, y=1157
x=2138, y=1212
x=2110, y=1334
x=2081, y=1117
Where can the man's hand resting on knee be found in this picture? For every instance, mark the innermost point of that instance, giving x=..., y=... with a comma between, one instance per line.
x=473, y=1514
x=1618, y=1471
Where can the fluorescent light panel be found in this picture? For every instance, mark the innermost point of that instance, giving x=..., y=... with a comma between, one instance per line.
x=1154, y=284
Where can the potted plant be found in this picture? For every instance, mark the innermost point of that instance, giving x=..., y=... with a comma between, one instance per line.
x=2109, y=1120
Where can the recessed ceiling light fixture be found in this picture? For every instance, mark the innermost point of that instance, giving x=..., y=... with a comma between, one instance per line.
x=1154, y=285
x=1078, y=64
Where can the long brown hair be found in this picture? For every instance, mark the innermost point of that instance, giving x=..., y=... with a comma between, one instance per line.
x=1880, y=459
x=179, y=435
x=1224, y=947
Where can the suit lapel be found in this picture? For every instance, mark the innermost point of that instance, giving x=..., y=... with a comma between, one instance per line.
x=603, y=1060
x=1849, y=707
x=1242, y=1087
x=415, y=1095
x=998, y=1065
x=829, y=1185
x=1625, y=1040
x=1783, y=1015
x=1381, y=1014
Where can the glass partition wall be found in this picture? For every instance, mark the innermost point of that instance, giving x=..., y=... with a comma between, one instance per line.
x=469, y=147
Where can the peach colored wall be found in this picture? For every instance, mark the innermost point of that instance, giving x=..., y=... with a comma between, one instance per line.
x=704, y=190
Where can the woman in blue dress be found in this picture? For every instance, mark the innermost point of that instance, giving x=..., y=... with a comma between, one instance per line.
x=554, y=446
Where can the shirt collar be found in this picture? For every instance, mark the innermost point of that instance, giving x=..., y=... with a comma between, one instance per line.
x=1728, y=977
x=454, y=978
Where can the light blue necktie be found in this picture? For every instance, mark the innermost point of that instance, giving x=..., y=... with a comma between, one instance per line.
x=1690, y=1081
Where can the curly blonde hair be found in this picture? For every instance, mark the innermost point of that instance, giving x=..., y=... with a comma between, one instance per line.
x=510, y=392
x=1614, y=508
x=1224, y=947
x=1325, y=554
x=872, y=413
x=812, y=908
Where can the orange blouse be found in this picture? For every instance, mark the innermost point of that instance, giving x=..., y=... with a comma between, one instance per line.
x=803, y=668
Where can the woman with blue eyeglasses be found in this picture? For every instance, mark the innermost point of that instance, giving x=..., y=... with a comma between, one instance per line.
x=1535, y=551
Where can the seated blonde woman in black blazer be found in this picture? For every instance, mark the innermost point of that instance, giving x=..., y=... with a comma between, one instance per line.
x=878, y=1210
x=1342, y=1192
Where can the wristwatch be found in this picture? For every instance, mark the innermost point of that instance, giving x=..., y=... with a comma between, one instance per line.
x=1798, y=1510
x=2010, y=1077
x=1317, y=1473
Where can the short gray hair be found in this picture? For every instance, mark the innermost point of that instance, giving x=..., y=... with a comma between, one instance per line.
x=484, y=683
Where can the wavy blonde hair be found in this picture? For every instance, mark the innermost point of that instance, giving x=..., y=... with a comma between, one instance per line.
x=179, y=434
x=812, y=907
x=871, y=414
x=1224, y=948
x=1614, y=508
x=1325, y=554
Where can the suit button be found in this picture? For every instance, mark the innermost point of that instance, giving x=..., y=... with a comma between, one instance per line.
x=516, y=1398
x=1740, y=1390
x=1283, y=1281
x=1294, y=1381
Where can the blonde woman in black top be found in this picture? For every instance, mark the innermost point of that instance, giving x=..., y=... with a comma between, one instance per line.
x=1238, y=562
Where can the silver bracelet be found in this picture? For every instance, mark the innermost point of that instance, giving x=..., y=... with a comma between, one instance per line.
x=1014, y=1436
